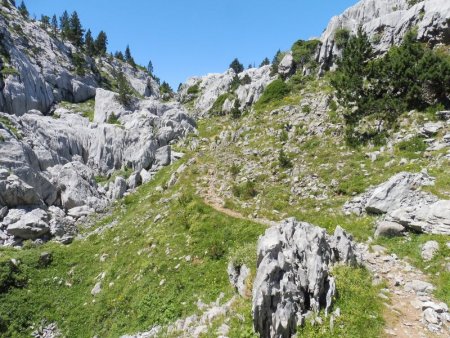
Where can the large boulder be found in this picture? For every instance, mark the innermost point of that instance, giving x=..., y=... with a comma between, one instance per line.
x=15, y=192
x=287, y=65
x=77, y=185
x=399, y=191
x=293, y=275
x=106, y=104
x=31, y=225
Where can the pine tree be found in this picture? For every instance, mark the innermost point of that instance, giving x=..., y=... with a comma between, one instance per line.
x=119, y=55
x=54, y=24
x=101, y=44
x=23, y=10
x=89, y=43
x=265, y=62
x=275, y=62
x=76, y=30
x=45, y=21
x=127, y=53
x=128, y=58
x=150, y=68
x=64, y=25
x=237, y=66
x=125, y=92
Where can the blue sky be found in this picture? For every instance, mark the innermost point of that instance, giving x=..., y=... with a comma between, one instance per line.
x=194, y=37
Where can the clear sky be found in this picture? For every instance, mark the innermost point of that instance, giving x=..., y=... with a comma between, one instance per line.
x=195, y=37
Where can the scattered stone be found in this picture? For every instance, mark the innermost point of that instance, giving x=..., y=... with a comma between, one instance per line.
x=97, y=289
x=429, y=249
x=238, y=275
x=419, y=286
x=389, y=229
x=45, y=259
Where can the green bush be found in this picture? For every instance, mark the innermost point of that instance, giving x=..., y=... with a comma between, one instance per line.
x=113, y=119
x=193, y=90
x=413, y=145
x=303, y=51
x=216, y=109
x=245, y=191
x=10, y=276
x=284, y=160
x=277, y=90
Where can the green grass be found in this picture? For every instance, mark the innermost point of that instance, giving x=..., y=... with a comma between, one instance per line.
x=87, y=108
x=132, y=299
x=7, y=124
x=274, y=94
x=357, y=299
x=113, y=119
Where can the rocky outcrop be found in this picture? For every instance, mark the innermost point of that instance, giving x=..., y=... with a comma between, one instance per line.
x=386, y=22
x=53, y=161
x=211, y=86
x=43, y=71
x=293, y=276
x=404, y=205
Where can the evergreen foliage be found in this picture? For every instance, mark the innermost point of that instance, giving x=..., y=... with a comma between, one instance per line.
x=125, y=92
x=45, y=21
x=64, y=25
x=89, y=43
x=54, y=24
x=23, y=10
x=150, y=68
x=275, y=62
x=76, y=31
x=237, y=66
x=128, y=58
x=409, y=76
x=265, y=62
x=101, y=43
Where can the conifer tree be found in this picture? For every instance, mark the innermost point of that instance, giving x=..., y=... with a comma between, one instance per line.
x=265, y=62
x=76, y=30
x=128, y=58
x=89, y=43
x=45, y=21
x=119, y=55
x=125, y=92
x=150, y=68
x=101, y=44
x=64, y=25
x=23, y=10
x=54, y=24
x=237, y=66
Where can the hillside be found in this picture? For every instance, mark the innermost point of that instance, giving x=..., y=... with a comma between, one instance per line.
x=308, y=196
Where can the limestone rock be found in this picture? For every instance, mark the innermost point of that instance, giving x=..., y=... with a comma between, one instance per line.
x=31, y=225
x=429, y=249
x=386, y=22
x=286, y=66
x=293, y=278
x=389, y=229
x=238, y=275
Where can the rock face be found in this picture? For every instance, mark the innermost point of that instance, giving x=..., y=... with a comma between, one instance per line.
x=293, y=275
x=404, y=205
x=386, y=22
x=211, y=86
x=49, y=161
x=38, y=82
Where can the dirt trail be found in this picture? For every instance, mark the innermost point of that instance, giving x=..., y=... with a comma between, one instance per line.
x=408, y=291
x=405, y=293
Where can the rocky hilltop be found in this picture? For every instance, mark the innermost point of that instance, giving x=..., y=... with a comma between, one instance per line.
x=51, y=153
x=309, y=196
x=42, y=70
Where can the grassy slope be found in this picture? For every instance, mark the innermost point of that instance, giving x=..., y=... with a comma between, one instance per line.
x=132, y=298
